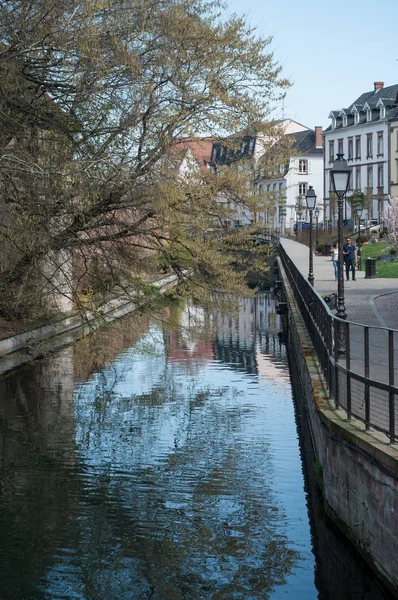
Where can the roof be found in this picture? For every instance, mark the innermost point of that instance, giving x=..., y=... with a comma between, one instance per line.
x=200, y=149
x=388, y=96
x=304, y=142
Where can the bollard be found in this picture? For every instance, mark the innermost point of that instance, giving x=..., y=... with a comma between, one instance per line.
x=370, y=268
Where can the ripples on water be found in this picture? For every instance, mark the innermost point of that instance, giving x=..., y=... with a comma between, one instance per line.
x=173, y=475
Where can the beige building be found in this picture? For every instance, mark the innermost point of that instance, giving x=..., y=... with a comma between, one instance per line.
x=393, y=166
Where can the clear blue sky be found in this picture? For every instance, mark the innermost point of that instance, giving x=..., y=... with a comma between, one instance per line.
x=331, y=51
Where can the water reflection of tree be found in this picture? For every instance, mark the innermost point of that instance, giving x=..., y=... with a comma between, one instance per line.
x=154, y=502
x=189, y=519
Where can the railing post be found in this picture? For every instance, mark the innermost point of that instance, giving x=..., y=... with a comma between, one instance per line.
x=366, y=374
x=348, y=367
x=336, y=333
x=391, y=399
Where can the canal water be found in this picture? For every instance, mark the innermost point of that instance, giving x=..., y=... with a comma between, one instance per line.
x=161, y=461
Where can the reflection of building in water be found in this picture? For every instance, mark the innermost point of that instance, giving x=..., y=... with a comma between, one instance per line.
x=189, y=341
x=236, y=340
x=38, y=404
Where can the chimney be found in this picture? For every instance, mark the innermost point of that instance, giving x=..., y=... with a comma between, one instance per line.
x=318, y=137
x=378, y=85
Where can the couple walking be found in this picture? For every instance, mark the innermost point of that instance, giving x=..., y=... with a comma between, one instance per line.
x=349, y=259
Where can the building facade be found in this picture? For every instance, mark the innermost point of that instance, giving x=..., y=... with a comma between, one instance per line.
x=362, y=132
x=393, y=155
x=283, y=191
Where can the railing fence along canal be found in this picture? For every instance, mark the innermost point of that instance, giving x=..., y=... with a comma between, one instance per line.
x=359, y=362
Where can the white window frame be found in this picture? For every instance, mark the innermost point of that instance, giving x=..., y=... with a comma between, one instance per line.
x=380, y=143
x=303, y=166
x=302, y=187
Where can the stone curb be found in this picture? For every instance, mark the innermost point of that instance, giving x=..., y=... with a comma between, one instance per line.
x=23, y=347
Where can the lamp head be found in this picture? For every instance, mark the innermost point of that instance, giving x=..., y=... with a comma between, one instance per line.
x=359, y=211
x=310, y=198
x=340, y=173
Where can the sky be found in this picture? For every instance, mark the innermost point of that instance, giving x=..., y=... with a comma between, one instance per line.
x=331, y=51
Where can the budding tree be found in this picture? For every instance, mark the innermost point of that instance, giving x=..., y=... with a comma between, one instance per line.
x=94, y=95
x=392, y=221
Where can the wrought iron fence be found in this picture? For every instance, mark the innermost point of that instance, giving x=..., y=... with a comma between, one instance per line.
x=359, y=362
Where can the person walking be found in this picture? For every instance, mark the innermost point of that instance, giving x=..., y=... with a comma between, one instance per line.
x=335, y=259
x=349, y=259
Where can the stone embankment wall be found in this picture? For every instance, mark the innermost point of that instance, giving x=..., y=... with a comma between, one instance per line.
x=358, y=468
x=24, y=347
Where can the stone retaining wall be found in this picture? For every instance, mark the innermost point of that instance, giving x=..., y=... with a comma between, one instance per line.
x=359, y=468
x=24, y=347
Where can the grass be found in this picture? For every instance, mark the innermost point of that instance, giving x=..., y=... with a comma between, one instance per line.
x=386, y=270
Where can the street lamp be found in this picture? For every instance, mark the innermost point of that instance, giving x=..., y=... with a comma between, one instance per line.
x=299, y=213
x=359, y=211
x=340, y=178
x=310, y=198
x=316, y=213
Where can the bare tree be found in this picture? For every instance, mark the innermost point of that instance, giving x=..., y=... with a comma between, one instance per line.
x=93, y=96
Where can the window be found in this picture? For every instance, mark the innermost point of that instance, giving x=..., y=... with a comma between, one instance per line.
x=368, y=115
x=380, y=143
x=302, y=189
x=358, y=146
x=370, y=177
x=331, y=151
x=356, y=117
x=350, y=148
x=344, y=120
x=382, y=112
x=303, y=166
x=380, y=176
x=369, y=145
x=340, y=146
x=358, y=178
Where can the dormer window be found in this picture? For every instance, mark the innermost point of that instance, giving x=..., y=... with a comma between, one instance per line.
x=382, y=112
x=344, y=120
x=333, y=122
x=368, y=115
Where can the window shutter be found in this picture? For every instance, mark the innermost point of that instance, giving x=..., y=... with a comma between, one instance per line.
x=309, y=166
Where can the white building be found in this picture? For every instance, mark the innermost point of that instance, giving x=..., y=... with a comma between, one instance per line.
x=304, y=168
x=361, y=133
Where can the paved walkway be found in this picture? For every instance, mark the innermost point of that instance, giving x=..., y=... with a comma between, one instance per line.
x=367, y=301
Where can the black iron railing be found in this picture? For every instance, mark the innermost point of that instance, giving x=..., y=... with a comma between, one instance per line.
x=359, y=362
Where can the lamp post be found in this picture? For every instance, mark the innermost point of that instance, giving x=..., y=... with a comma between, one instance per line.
x=316, y=213
x=359, y=211
x=340, y=176
x=310, y=198
x=299, y=213
x=297, y=208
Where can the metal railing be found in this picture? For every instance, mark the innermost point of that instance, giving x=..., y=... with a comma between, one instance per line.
x=359, y=362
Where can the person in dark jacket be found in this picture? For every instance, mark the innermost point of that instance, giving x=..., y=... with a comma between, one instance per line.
x=349, y=259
